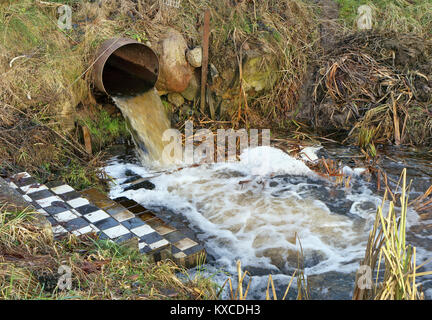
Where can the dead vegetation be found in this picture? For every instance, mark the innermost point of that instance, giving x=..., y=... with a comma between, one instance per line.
x=388, y=251
x=46, y=95
x=280, y=33
x=30, y=262
x=376, y=87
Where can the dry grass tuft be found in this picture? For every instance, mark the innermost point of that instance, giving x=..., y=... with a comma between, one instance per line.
x=282, y=33
x=30, y=261
x=302, y=284
x=45, y=85
x=387, y=249
x=377, y=88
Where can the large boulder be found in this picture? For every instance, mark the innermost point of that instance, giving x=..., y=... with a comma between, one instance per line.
x=174, y=71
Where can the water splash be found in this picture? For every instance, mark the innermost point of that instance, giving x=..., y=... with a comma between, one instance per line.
x=251, y=210
x=255, y=217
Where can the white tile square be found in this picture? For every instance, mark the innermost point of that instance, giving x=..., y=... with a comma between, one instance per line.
x=141, y=245
x=96, y=216
x=22, y=175
x=47, y=201
x=58, y=230
x=84, y=230
x=13, y=185
x=27, y=198
x=32, y=188
x=43, y=212
x=65, y=216
x=62, y=189
x=78, y=202
x=116, y=231
x=159, y=244
x=142, y=230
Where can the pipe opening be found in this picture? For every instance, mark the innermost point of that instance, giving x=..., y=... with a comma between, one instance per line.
x=126, y=68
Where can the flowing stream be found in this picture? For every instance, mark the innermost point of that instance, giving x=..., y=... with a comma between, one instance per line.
x=264, y=219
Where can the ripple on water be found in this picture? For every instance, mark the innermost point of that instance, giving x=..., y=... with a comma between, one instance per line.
x=258, y=218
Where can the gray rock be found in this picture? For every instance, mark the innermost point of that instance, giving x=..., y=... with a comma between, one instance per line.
x=193, y=90
x=176, y=99
x=194, y=57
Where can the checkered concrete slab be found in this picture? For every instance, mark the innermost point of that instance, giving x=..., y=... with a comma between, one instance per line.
x=185, y=251
x=117, y=220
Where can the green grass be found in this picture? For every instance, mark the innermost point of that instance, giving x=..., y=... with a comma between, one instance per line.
x=79, y=176
x=105, y=129
x=392, y=15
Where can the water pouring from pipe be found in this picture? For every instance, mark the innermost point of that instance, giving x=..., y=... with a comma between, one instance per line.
x=127, y=71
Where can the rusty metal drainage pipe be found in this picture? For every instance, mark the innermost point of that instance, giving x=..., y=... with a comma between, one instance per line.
x=125, y=67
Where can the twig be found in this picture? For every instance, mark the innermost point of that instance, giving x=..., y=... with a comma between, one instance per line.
x=204, y=65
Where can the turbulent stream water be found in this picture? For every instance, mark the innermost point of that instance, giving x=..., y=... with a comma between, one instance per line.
x=261, y=219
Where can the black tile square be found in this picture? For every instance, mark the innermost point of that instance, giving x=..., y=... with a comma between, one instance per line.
x=146, y=249
x=25, y=181
x=70, y=195
x=53, y=221
x=86, y=209
x=124, y=238
x=75, y=224
x=155, y=222
x=188, y=233
x=127, y=203
x=137, y=209
x=102, y=236
x=132, y=223
x=106, y=223
x=193, y=250
x=174, y=236
x=53, y=209
x=151, y=238
x=35, y=205
x=174, y=249
x=20, y=191
x=119, y=199
x=53, y=184
x=38, y=195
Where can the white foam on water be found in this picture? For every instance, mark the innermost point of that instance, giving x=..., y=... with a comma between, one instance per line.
x=310, y=153
x=251, y=210
x=242, y=217
x=348, y=171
